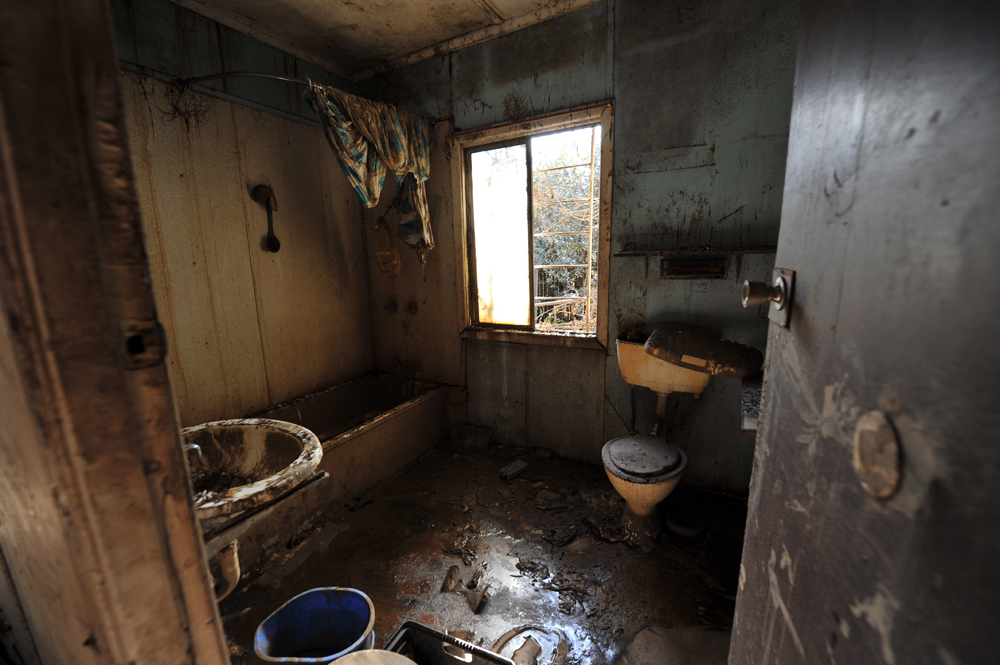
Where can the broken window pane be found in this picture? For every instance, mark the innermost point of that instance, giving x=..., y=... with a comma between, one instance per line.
x=500, y=214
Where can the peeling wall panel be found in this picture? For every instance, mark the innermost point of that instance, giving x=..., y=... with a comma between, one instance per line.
x=553, y=66
x=716, y=77
x=424, y=88
x=414, y=315
x=564, y=401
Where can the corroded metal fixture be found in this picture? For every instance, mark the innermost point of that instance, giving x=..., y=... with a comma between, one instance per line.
x=264, y=195
x=778, y=294
x=759, y=293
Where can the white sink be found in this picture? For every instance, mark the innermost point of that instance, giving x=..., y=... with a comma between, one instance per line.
x=240, y=464
x=642, y=369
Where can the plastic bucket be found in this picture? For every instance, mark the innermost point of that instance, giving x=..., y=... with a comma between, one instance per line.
x=317, y=626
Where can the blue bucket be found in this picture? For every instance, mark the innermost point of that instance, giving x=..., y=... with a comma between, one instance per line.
x=317, y=626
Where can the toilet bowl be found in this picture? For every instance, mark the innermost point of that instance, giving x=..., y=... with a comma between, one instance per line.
x=643, y=469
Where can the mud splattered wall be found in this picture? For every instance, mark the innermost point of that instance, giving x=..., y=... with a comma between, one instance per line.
x=684, y=76
x=246, y=328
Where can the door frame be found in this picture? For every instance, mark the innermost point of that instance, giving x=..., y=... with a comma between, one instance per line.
x=102, y=557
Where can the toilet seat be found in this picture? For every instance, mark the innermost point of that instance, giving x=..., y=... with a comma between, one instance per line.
x=643, y=455
x=643, y=459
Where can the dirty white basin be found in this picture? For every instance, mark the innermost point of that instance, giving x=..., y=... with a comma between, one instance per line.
x=642, y=369
x=240, y=464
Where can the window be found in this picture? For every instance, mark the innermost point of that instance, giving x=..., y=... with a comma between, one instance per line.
x=534, y=221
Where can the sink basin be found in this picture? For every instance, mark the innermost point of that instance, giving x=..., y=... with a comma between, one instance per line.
x=642, y=369
x=240, y=464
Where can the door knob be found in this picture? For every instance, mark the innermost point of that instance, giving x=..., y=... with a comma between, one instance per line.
x=778, y=294
x=758, y=293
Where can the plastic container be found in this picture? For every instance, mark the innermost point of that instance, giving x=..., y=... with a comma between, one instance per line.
x=425, y=646
x=317, y=626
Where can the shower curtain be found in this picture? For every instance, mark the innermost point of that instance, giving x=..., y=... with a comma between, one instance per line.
x=372, y=138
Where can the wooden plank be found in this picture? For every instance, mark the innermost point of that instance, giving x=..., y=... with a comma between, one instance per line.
x=191, y=194
x=98, y=530
x=31, y=522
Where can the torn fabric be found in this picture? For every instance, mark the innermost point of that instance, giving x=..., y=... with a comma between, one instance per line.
x=371, y=138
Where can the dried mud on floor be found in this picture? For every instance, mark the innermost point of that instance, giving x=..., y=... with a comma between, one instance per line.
x=543, y=543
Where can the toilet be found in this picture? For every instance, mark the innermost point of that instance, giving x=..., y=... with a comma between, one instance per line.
x=643, y=469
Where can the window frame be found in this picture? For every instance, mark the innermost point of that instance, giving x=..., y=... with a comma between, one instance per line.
x=464, y=144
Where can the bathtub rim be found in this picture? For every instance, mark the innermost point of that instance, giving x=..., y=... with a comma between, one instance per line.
x=342, y=438
x=345, y=436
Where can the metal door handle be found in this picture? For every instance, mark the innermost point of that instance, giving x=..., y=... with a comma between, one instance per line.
x=759, y=293
x=779, y=294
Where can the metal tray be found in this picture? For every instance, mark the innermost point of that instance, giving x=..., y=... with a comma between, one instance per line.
x=425, y=646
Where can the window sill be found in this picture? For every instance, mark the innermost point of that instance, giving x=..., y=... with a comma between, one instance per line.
x=525, y=337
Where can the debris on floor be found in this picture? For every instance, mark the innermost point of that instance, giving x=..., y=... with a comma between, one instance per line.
x=677, y=646
x=524, y=565
x=513, y=470
x=474, y=591
x=467, y=437
x=528, y=653
x=528, y=645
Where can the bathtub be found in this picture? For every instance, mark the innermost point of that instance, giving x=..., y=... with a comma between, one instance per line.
x=369, y=428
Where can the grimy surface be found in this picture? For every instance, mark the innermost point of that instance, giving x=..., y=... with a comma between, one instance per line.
x=543, y=542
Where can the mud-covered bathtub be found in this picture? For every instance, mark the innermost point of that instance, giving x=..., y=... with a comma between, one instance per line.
x=345, y=411
x=369, y=428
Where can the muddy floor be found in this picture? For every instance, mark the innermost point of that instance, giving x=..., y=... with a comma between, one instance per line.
x=544, y=546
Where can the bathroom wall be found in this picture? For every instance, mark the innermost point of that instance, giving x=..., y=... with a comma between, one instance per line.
x=246, y=328
x=711, y=76
x=414, y=314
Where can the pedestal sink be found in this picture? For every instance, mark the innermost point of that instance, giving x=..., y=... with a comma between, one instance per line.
x=237, y=465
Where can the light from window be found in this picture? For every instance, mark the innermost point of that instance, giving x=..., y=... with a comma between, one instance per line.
x=500, y=208
x=551, y=286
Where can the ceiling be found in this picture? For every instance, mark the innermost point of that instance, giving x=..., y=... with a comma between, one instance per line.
x=358, y=38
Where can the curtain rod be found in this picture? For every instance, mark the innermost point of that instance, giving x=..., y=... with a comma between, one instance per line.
x=183, y=83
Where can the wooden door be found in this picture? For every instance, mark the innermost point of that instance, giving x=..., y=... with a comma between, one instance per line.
x=101, y=560
x=891, y=220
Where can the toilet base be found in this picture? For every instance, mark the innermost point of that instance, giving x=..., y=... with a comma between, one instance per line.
x=641, y=531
